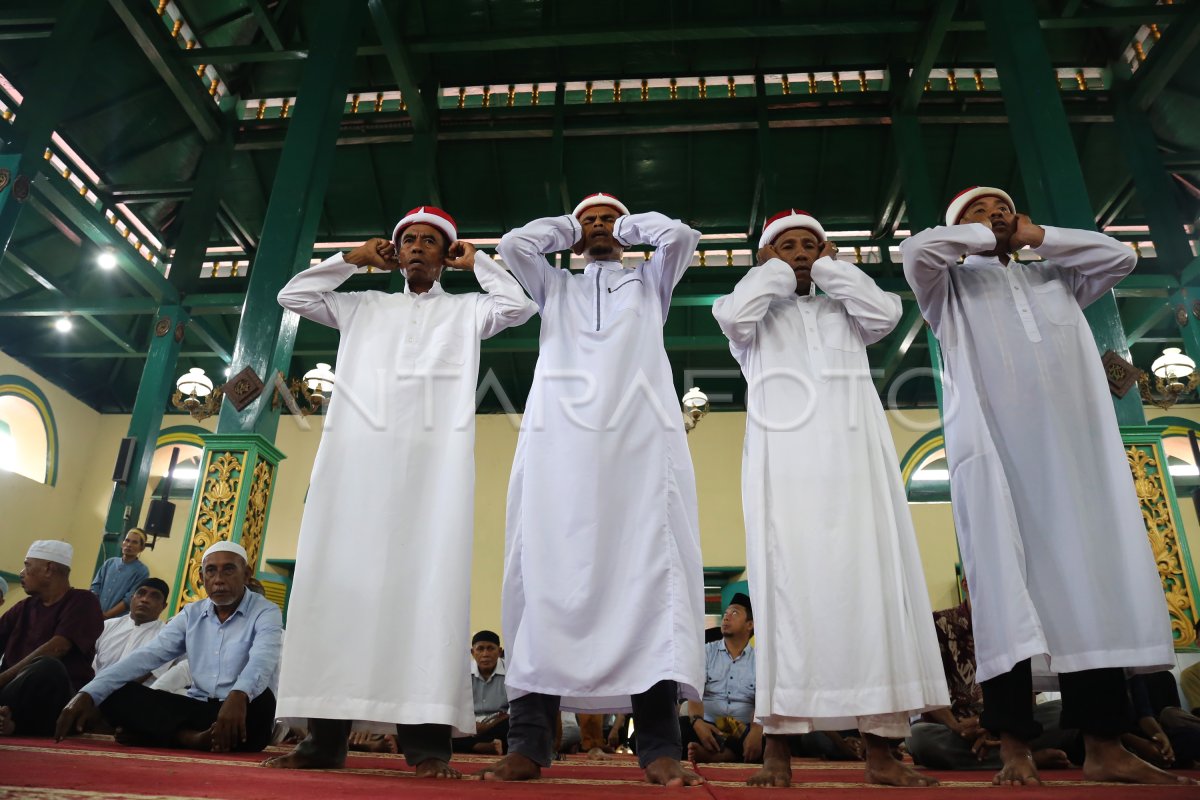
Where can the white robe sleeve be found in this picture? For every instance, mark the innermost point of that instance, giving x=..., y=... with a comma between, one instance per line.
x=674, y=244
x=1092, y=262
x=311, y=293
x=523, y=250
x=874, y=311
x=504, y=305
x=739, y=312
x=930, y=254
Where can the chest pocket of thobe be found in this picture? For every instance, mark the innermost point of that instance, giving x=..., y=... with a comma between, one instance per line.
x=1056, y=303
x=838, y=332
x=624, y=298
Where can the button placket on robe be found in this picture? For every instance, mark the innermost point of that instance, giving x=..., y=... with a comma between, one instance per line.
x=812, y=335
x=1021, y=299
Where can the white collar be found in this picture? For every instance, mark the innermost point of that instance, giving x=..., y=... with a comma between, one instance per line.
x=433, y=290
x=498, y=671
x=608, y=266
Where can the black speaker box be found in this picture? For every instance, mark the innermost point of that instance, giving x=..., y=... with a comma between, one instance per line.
x=159, y=516
x=124, y=460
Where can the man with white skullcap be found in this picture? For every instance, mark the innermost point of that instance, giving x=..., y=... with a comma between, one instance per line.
x=603, y=581
x=3, y=591
x=821, y=491
x=1063, y=581
x=396, y=472
x=48, y=641
x=231, y=639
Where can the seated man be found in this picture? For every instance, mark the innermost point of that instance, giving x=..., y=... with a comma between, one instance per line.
x=951, y=738
x=721, y=726
x=490, y=699
x=48, y=640
x=3, y=591
x=127, y=633
x=117, y=577
x=232, y=642
x=1164, y=735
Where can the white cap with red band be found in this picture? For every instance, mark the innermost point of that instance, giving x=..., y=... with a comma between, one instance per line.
x=958, y=206
x=786, y=221
x=599, y=199
x=430, y=215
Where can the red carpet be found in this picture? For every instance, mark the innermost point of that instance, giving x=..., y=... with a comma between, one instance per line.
x=96, y=767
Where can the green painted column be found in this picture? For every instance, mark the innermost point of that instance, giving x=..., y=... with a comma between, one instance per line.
x=264, y=341
x=49, y=94
x=1046, y=154
x=231, y=504
x=157, y=384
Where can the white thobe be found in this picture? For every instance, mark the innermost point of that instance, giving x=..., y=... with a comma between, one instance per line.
x=825, y=510
x=1049, y=527
x=378, y=622
x=120, y=637
x=603, y=580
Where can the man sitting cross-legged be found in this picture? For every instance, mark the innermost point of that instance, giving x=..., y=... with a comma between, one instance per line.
x=232, y=642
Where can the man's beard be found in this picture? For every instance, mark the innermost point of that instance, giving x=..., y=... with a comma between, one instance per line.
x=598, y=250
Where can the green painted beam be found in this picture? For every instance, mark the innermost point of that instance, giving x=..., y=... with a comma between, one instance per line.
x=421, y=109
x=199, y=213
x=1151, y=314
x=52, y=87
x=207, y=332
x=899, y=343
x=265, y=333
x=157, y=384
x=121, y=193
x=1178, y=43
x=154, y=41
x=931, y=44
x=84, y=217
x=1154, y=185
x=1046, y=155
x=265, y=23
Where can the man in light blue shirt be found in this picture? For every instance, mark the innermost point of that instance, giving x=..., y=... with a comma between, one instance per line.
x=722, y=727
x=232, y=642
x=119, y=576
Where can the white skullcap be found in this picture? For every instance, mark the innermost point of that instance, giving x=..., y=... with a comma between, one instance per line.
x=600, y=199
x=51, y=550
x=226, y=547
x=958, y=206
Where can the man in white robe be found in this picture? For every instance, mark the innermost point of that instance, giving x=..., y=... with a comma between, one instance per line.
x=603, y=581
x=825, y=508
x=391, y=505
x=1052, y=540
x=126, y=633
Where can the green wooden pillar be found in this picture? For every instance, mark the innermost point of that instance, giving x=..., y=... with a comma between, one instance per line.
x=157, y=384
x=264, y=340
x=49, y=94
x=231, y=504
x=1046, y=154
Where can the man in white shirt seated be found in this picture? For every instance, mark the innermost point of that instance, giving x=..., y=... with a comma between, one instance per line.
x=126, y=633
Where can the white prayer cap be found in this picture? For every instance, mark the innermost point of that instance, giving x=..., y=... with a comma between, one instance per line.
x=958, y=206
x=600, y=199
x=226, y=547
x=51, y=550
x=788, y=220
x=3, y=588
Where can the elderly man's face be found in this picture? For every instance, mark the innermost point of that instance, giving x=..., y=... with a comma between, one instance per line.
x=35, y=576
x=148, y=604
x=597, y=239
x=486, y=655
x=225, y=576
x=422, y=252
x=736, y=621
x=132, y=545
x=799, y=247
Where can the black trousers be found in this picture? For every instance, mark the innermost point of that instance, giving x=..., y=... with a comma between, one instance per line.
x=467, y=744
x=533, y=720
x=156, y=717
x=37, y=695
x=734, y=744
x=328, y=742
x=1094, y=701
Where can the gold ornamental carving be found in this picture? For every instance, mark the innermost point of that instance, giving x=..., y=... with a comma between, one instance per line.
x=217, y=507
x=1145, y=463
x=256, y=511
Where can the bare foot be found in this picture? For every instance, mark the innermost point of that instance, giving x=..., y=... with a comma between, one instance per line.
x=436, y=768
x=195, y=740
x=666, y=771
x=513, y=767
x=297, y=760
x=1049, y=758
x=598, y=754
x=699, y=754
x=884, y=769
x=777, y=764
x=1019, y=768
x=7, y=725
x=1107, y=760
